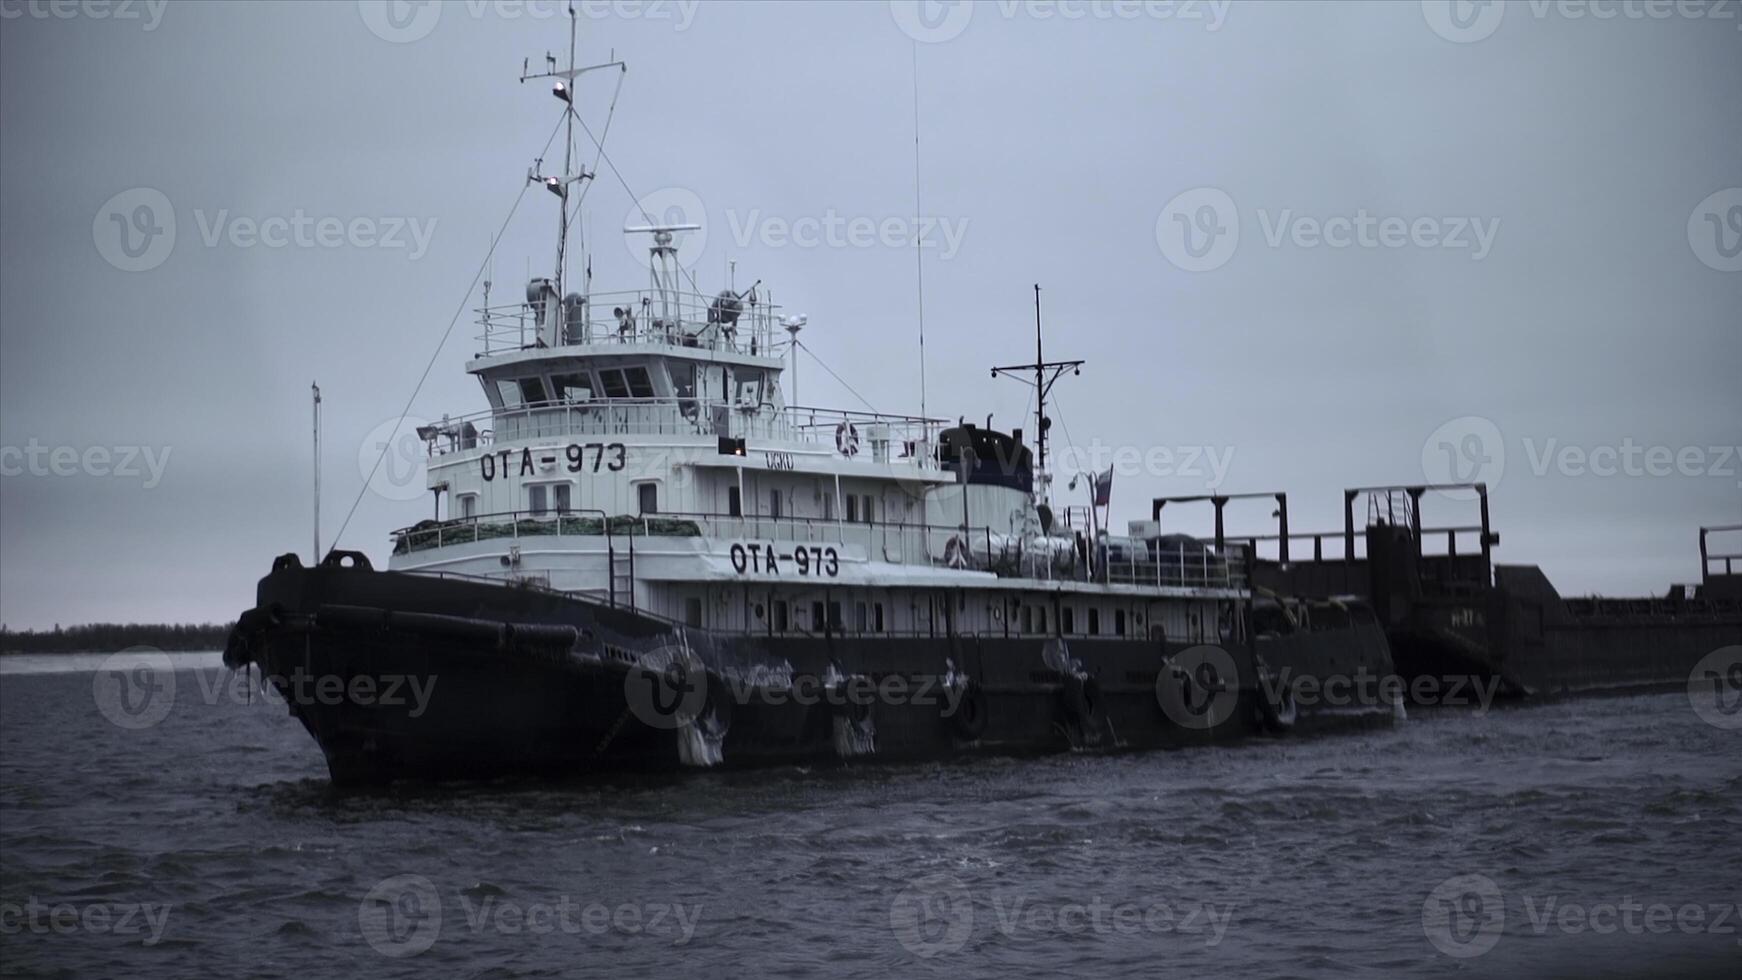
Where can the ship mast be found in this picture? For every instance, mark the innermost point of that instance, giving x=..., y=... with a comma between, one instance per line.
x=1046, y=374
x=559, y=185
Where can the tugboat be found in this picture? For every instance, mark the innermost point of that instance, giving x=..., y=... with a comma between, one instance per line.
x=644, y=557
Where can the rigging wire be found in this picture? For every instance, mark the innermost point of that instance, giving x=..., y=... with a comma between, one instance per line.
x=435, y=354
x=837, y=377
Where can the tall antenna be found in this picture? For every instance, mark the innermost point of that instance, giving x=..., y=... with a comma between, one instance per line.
x=563, y=89
x=1046, y=373
x=918, y=219
x=317, y=430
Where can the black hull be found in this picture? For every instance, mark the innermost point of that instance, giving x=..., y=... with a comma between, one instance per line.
x=407, y=676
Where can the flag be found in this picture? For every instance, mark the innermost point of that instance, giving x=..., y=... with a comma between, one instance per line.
x=1104, y=487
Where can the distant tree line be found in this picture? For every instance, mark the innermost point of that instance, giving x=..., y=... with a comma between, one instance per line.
x=110, y=637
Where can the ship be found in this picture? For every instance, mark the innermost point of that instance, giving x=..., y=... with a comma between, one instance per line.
x=645, y=556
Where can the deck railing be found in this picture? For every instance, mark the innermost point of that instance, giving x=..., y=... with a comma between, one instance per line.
x=669, y=318
x=972, y=549
x=872, y=436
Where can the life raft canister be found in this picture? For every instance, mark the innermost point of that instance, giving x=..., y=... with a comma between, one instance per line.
x=847, y=439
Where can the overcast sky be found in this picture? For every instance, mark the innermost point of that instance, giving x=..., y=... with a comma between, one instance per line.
x=1302, y=247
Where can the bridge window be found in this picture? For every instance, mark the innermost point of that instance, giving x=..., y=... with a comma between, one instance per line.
x=640, y=385
x=573, y=387
x=516, y=392
x=613, y=384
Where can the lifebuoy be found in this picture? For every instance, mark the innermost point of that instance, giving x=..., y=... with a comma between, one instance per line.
x=967, y=711
x=847, y=439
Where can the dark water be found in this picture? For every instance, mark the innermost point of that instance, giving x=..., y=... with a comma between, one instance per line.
x=209, y=844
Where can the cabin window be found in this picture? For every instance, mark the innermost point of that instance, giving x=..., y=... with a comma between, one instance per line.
x=468, y=505
x=734, y=502
x=647, y=497
x=613, y=384
x=1067, y=620
x=516, y=392
x=640, y=385
x=537, y=500
x=750, y=390
x=781, y=616
x=692, y=611
x=1118, y=622
x=852, y=507
x=560, y=497
x=572, y=387
x=816, y=615
x=868, y=508
x=1027, y=619
x=877, y=616
x=835, y=622
x=1040, y=618
x=861, y=617
x=828, y=506
x=1094, y=621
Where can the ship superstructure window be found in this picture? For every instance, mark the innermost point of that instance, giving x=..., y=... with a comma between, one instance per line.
x=774, y=503
x=782, y=619
x=1040, y=619
x=613, y=384
x=1067, y=620
x=560, y=497
x=573, y=387
x=647, y=497
x=861, y=616
x=538, y=499
x=1118, y=622
x=861, y=508
x=1094, y=621
x=877, y=616
x=640, y=385
x=516, y=392
x=734, y=502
